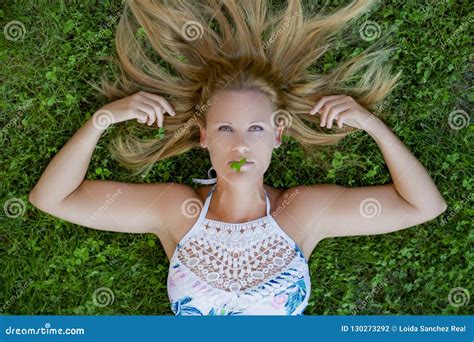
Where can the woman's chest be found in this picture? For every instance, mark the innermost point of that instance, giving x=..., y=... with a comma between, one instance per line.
x=285, y=220
x=244, y=237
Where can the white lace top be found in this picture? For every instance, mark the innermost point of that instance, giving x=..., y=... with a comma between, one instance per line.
x=251, y=268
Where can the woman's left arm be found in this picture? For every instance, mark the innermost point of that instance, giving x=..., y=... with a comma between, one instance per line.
x=410, y=178
x=333, y=210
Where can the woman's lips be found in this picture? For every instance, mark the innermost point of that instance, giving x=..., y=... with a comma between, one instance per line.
x=247, y=164
x=236, y=161
x=244, y=166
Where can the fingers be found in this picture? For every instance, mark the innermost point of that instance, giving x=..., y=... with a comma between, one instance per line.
x=329, y=109
x=157, y=113
x=160, y=100
x=141, y=117
x=152, y=109
x=160, y=117
x=158, y=104
x=339, y=120
x=148, y=110
x=322, y=101
x=335, y=112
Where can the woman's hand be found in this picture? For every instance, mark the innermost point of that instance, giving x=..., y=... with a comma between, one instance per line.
x=344, y=109
x=143, y=106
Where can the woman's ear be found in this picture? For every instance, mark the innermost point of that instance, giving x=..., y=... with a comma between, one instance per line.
x=203, y=136
x=278, y=136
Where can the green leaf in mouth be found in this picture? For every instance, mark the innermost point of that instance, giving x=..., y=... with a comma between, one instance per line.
x=237, y=165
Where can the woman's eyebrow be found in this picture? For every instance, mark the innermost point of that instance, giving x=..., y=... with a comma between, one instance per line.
x=230, y=123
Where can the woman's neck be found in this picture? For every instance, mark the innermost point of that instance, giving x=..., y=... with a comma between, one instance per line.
x=238, y=204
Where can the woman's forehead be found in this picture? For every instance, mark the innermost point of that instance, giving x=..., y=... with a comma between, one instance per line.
x=239, y=107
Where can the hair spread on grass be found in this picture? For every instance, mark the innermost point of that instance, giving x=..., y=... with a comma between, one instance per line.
x=205, y=46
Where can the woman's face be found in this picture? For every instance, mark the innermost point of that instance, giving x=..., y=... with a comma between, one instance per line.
x=239, y=126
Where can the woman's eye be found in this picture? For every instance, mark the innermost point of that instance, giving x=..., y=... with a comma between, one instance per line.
x=224, y=127
x=227, y=128
x=260, y=128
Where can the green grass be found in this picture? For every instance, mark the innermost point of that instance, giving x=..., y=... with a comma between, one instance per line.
x=49, y=266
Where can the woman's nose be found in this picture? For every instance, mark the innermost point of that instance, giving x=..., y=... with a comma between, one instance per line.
x=241, y=146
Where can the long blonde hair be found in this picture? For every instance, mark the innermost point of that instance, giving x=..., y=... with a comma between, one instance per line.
x=210, y=45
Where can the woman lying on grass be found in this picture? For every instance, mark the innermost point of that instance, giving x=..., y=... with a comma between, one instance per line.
x=237, y=88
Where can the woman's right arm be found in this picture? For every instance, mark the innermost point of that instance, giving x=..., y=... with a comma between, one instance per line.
x=63, y=192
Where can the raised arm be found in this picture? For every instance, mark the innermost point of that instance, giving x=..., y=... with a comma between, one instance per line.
x=332, y=210
x=63, y=192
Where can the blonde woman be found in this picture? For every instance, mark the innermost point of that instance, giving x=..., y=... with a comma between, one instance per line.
x=240, y=80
